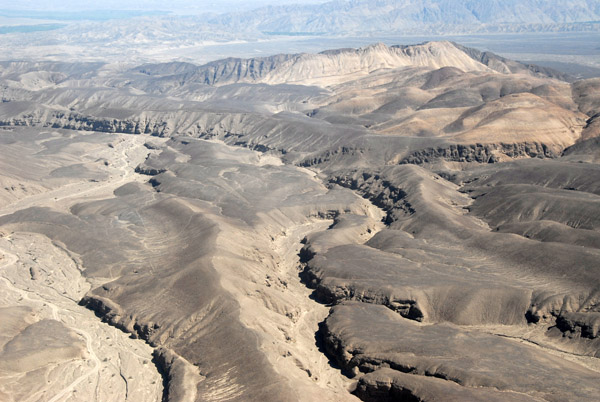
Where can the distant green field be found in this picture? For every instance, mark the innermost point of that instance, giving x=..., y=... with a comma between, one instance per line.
x=97, y=15
x=29, y=28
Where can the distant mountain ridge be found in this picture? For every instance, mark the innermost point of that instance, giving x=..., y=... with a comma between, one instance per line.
x=337, y=66
x=343, y=16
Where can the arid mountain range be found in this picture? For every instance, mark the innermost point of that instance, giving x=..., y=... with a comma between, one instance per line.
x=384, y=223
x=410, y=16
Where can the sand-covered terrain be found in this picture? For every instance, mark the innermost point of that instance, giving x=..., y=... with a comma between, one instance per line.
x=53, y=348
x=384, y=223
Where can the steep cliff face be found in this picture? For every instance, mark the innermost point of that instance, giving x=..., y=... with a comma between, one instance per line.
x=75, y=121
x=489, y=153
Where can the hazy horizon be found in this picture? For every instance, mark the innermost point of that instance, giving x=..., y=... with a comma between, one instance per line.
x=176, y=6
x=137, y=31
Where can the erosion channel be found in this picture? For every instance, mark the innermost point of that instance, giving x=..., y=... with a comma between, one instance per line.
x=174, y=260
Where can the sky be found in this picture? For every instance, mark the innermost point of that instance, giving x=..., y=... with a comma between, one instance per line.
x=179, y=6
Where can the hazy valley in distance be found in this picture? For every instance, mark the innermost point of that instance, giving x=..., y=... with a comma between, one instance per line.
x=355, y=200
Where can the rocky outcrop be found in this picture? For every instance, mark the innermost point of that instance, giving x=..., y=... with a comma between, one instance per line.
x=389, y=385
x=237, y=70
x=149, y=171
x=585, y=325
x=330, y=155
x=75, y=121
x=592, y=127
x=180, y=377
x=109, y=312
x=402, y=358
x=480, y=153
x=382, y=193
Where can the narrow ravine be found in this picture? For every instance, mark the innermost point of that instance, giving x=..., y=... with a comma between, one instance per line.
x=280, y=308
x=302, y=349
